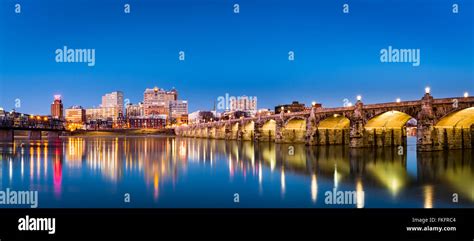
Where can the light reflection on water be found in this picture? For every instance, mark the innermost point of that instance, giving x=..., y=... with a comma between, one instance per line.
x=186, y=172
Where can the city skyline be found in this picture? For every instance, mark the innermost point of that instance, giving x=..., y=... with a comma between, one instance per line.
x=336, y=55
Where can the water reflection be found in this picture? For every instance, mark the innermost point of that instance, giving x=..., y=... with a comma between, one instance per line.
x=176, y=171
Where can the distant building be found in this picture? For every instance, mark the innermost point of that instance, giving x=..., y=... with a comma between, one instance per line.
x=153, y=122
x=134, y=110
x=157, y=101
x=264, y=112
x=181, y=120
x=295, y=106
x=244, y=103
x=93, y=114
x=57, y=108
x=76, y=114
x=201, y=117
x=178, y=108
x=112, y=105
x=235, y=115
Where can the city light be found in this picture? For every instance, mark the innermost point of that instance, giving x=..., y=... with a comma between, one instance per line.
x=466, y=94
x=427, y=90
x=359, y=97
x=398, y=100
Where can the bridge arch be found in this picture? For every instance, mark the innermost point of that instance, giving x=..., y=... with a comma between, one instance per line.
x=333, y=130
x=456, y=129
x=268, y=130
x=248, y=131
x=294, y=130
x=387, y=129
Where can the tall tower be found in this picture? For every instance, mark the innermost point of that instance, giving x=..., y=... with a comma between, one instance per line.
x=57, y=108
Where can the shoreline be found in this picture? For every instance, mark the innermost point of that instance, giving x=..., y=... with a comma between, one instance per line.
x=123, y=132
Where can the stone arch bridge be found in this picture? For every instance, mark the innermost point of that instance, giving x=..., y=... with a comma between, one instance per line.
x=446, y=123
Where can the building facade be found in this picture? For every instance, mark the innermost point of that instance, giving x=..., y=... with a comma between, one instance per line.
x=57, y=108
x=156, y=101
x=134, y=110
x=112, y=105
x=178, y=108
x=76, y=114
x=295, y=106
x=150, y=122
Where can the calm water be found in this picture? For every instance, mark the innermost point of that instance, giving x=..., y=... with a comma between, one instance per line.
x=186, y=172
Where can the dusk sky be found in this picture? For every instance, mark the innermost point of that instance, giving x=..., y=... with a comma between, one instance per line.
x=337, y=55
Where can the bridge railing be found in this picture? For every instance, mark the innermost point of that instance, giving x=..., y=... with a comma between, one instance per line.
x=28, y=122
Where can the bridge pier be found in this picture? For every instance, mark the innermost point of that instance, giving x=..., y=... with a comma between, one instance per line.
x=220, y=131
x=211, y=132
x=232, y=131
x=279, y=130
x=311, y=130
x=7, y=135
x=34, y=135
x=356, y=135
x=425, y=126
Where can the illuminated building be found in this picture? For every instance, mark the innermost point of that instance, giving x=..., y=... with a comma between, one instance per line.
x=76, y=114
x=200, y=116
x=57, y=107
x=295, y=106
x=112, y=105
x=156, y=101
x=134, y=110
x=178, y=108
x=153, y=122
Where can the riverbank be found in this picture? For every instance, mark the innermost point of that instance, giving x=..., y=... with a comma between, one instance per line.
x=124, y=132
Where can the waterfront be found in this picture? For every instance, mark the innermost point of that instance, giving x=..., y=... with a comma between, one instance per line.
x=192, y=172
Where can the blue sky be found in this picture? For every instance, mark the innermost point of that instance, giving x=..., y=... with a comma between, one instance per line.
x=337, y=55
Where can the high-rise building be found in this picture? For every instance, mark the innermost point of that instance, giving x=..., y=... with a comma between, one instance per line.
x=76, y=114
x=156, y=101
x=178, y=108
x=57, y=107
x=112, y=105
